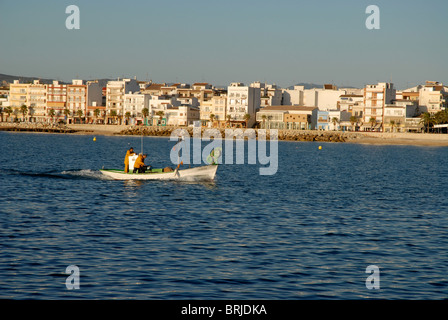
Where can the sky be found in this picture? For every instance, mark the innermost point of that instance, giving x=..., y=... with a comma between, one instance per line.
x=283, y=42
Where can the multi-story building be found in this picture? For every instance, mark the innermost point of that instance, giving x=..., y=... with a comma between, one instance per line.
x=433, y=97
x=270, y=94
x=325, y=99
x=333, y=120
x=134, y=103
x=181, y=115
x=37, y=102
x=56, y=101
x=4, y=103
x=285, y=117
x=18, y=96
x=293, y=97
x=4, y=91
x=242, y=101
x=351, y=103
x=33, y=96
x=218, y=108
x=376, y=96
x=115, y=98
x=159, y=104
x=83, y=99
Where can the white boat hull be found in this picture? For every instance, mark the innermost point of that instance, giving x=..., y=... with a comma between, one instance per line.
x=197, y=173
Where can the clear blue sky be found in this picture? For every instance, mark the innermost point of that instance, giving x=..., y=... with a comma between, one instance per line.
x=283, y=42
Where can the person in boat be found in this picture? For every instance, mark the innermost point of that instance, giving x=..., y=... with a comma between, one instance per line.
x=139, y=164
x=130, y=152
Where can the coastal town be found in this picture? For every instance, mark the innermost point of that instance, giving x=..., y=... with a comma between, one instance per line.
x=376, y=107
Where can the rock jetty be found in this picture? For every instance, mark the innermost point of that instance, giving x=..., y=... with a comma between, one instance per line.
x=31, y=127
x=287, y=135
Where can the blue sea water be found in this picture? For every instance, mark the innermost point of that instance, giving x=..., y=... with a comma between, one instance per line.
x=307, y=232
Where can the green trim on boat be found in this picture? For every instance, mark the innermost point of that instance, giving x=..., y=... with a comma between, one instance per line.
x=153, y=170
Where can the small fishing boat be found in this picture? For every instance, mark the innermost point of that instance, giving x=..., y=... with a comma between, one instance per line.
x=207, y=172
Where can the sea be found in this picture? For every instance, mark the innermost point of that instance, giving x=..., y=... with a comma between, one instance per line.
x=341, y=222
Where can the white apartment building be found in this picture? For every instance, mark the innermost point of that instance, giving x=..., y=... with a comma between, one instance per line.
x=242, y=100
x=325, y=98
x=352, y=103
x=270, y=94
x=115, y=92
x=181, y=116
x=293, y=97
x=433, y=96
x=162, y=103
x=134, y=103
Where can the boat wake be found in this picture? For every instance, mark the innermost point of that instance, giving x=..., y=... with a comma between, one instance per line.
x=54, y=174
x=85, y=174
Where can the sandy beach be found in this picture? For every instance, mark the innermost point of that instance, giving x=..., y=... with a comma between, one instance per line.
x=416, y=139
x=372, y=138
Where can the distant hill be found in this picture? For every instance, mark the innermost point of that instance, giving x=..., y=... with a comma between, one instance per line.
x=9, y=78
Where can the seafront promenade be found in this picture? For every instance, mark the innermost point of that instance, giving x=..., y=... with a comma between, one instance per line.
x=378, y=138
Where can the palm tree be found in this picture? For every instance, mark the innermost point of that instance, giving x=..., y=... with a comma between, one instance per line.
x=113, y=114
x=51, y=113
x=229, y=117
x=8, y=110
x=96, y=113
x=263, y=117
x=334, y=120
x=427, y=120
x=160, y=114
x=145, y=113
x=353, y=120
x=392, y=124
x=372, y=122
x=247, y=118
x=66, y=113
x=440, y=118
x=23, y=110
x=79, y=113
x=127, y=115
x=212, y=118
x=31, y=112
x=16, y=113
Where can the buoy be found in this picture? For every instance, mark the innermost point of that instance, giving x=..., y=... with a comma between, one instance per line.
x=94, y=138
x=320, y=147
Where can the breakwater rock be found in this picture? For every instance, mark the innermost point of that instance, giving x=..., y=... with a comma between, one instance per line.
x=287, y=135
x=37, y=129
